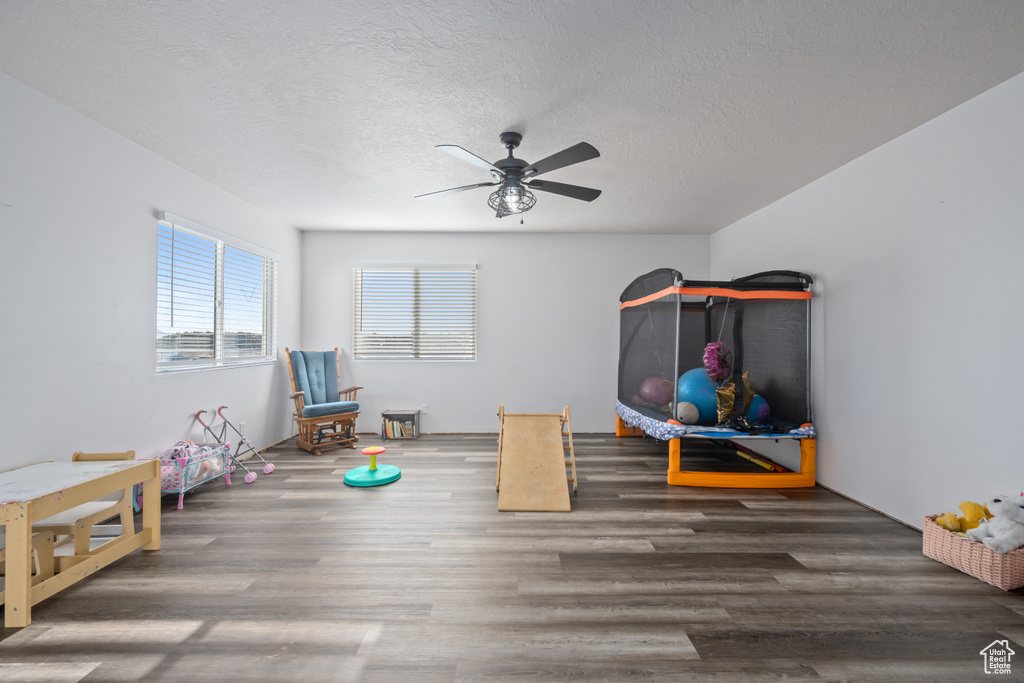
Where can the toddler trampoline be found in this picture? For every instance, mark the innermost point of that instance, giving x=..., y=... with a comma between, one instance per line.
x=722, y=361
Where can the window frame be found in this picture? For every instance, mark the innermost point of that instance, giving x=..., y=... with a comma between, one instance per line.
x=225, y=247
x=416, y=308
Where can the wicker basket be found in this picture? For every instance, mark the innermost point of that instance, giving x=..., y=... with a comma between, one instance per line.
x=970, y=557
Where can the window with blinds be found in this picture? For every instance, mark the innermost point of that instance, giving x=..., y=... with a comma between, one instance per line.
x=414, y=313
x=216, y=298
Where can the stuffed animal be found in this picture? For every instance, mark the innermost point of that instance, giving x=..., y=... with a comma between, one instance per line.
x=973, y=514
x=1005, y=531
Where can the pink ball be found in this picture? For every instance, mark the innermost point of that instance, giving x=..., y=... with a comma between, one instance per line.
x=656, y=390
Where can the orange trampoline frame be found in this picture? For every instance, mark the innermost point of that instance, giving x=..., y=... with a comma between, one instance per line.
x=805, y=478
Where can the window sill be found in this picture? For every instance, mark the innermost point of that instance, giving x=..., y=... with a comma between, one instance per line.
x=413, y=360
x=177, y=369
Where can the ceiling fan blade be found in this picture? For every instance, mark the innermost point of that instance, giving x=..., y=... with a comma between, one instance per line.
x=468, y=157
x=430, y=195
x=575, y=191
x=571, y=155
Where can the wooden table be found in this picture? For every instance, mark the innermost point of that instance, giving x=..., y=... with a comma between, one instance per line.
x=35, y=492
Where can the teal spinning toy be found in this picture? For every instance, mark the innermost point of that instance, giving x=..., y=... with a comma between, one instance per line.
x=372, y=475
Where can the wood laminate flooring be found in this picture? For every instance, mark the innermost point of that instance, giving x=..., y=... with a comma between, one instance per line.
x=298, y=577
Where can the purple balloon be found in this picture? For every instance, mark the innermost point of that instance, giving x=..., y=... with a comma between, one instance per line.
x=717, y=361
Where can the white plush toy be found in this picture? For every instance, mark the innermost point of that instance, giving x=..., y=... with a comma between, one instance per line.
x=1005, y=531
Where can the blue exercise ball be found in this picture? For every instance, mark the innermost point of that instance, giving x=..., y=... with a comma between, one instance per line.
x=697, y=387
x=759, y=410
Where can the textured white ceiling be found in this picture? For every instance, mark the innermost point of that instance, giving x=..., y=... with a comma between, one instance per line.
x=325, y=113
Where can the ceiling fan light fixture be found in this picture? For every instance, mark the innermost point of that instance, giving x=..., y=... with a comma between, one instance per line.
x=511, y=199
x=513, y=195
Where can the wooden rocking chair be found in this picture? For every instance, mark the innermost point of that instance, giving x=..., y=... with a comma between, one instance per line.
x=325, y=413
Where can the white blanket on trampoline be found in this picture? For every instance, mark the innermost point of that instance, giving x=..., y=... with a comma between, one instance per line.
x=665, y=431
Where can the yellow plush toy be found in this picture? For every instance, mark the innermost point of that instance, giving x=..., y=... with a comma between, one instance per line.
x=973, y=514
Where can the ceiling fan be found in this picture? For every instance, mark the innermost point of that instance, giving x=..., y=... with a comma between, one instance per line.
x=515, y=177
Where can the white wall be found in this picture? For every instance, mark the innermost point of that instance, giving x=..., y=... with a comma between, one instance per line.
x=547, y=321
x=78, y=296
x=918, y=252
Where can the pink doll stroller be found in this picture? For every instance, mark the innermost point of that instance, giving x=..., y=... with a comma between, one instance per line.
x=186, y=465
x=242, y=448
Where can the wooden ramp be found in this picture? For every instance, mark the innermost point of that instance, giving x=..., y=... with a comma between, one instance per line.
x=532, y=461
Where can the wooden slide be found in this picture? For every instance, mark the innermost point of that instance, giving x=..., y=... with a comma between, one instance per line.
x=531, y=461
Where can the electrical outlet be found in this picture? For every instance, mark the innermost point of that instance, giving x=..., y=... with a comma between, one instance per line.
x=425, y=408
x=241, y=428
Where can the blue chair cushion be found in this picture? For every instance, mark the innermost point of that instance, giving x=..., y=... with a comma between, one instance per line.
x=316, y=376
x=323, y=409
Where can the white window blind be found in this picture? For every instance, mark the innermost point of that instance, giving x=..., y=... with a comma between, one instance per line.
x=408, y=313
x=216, y=299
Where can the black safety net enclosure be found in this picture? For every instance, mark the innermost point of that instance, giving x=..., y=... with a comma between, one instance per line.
x=696, y=354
